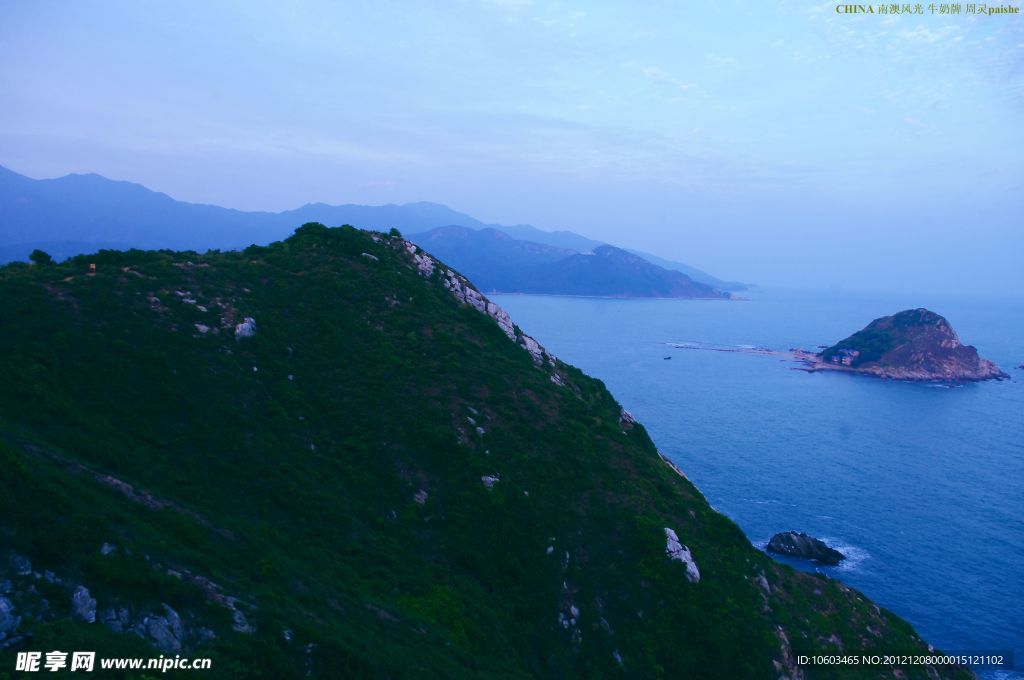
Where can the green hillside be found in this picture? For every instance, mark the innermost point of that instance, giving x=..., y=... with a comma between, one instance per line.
x=376, y=482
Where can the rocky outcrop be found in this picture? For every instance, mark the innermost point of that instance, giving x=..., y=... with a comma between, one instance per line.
x=23, y=605
x=675, y=468
x=915, y=344
x=460, y=287
x=246, y=329
x=798, y=544
x=166, y=631
x=83, y=605
x=679, y=552
x=786, y=664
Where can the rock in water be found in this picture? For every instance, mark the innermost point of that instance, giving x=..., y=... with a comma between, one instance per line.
x=915, y=344
x=798, y=544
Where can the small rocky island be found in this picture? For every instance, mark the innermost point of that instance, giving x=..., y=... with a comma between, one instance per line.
x=798, y=544
x=915, y=344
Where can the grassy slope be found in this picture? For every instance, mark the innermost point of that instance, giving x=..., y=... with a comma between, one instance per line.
x=297, y=495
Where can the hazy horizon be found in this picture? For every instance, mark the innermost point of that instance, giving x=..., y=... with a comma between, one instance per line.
x=786, y=145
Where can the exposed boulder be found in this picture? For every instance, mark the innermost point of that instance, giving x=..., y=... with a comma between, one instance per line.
x=246, y=329
x=424, y=263
x=464, y=291
x=239, y=622
x=677, y=551
x=798, y=544
x=533, y=347
x=503, y=319
x=166, y=632
x=83, y=605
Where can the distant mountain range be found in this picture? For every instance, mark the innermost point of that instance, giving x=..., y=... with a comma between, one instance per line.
x=496, y=262
x=82, y=213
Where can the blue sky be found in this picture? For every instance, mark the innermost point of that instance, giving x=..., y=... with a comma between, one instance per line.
x=776, y=142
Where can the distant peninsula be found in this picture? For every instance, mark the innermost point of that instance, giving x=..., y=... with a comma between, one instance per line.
x=915, y=344
x=499, y=263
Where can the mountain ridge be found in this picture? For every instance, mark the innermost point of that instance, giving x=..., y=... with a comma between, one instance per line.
x=112, y=211
x=500, y=263
x=332, y=456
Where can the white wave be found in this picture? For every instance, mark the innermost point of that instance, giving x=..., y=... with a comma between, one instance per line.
x=767, y=501
x=855, y=556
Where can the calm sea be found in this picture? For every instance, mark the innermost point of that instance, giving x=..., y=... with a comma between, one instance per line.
x=922, y=486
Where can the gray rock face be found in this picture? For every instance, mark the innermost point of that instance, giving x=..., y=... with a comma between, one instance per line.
x=246, y=329
x=679, y=552
x=424, y=263
x=463, y=290
x=239, y=623
x=83, y=605
x=798, y=544
x=165, y=632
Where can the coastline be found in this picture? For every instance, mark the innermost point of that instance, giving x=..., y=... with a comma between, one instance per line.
x=811, y=362
x=814, y=364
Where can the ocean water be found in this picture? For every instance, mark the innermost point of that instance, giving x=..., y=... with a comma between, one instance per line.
x=922, y=486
